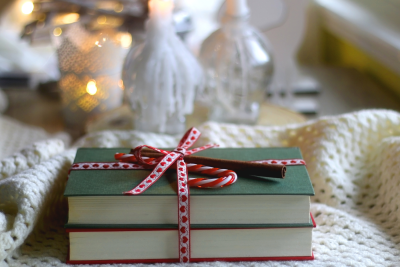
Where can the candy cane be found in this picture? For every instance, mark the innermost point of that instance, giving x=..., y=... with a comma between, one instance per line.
x=225, y=176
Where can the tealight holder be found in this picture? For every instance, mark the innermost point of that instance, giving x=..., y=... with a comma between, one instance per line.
x=90, y=65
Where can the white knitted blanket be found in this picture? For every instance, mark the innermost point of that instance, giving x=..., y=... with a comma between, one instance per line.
x=353, y=161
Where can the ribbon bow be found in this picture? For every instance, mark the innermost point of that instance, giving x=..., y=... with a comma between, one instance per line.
x=161, y=165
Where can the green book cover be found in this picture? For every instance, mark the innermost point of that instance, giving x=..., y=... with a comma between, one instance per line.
x=114, y=182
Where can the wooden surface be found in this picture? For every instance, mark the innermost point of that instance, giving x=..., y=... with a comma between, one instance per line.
x=276, y=115
x=342, y=90
x=31, y=107
x=269, y=115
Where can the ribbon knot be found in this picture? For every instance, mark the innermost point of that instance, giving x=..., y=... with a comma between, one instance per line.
x=180, y=150
x=161, y=164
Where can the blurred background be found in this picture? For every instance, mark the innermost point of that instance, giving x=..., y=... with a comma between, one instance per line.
x=61, y=62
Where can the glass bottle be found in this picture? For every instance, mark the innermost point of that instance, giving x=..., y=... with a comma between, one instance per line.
x=238, y=66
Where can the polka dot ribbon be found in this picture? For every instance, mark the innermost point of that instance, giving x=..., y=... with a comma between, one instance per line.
x=162, y=165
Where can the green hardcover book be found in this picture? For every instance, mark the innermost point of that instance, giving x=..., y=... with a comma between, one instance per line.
x=95, y=196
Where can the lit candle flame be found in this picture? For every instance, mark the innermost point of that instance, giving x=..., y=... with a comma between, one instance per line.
x=27, y=8
x=126, y=40
x=91, y=87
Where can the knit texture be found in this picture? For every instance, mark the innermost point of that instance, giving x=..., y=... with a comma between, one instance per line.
x=353, y=161
x=15, y=135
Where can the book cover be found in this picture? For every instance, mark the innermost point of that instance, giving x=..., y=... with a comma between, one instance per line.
x=114, y=182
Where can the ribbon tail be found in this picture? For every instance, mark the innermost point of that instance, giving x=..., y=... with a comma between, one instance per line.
x=183, y=212
x=198, y=149
x=189, y=138
x=157, y=172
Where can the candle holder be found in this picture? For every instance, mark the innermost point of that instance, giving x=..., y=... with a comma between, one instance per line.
x=90, y=65
x=161, y=75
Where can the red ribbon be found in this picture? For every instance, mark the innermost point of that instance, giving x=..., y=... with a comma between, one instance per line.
x=161, y=166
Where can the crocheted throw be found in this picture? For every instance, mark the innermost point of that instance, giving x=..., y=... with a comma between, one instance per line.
x=353, y=161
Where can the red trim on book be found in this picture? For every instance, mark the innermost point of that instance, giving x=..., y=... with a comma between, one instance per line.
x=291, y=258
x=313, y=221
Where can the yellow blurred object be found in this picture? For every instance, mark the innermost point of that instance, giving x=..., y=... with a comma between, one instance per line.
x=57, y=31
x=118, y=7
x=126, y=39
x=70, y=18
x=340, y=52
x=107, y=5
x=27, y=8
x=109, y=21
x=102, y=19
x=66, y=18
x=91, y=87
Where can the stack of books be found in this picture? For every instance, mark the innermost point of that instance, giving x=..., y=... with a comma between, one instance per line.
x=257, y=218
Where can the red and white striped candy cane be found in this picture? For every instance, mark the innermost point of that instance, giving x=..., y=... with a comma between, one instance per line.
x=225, y=176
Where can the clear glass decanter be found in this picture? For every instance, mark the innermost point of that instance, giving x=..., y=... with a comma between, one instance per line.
x=238, y=67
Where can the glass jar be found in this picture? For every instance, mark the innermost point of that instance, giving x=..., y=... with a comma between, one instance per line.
x=90, y=64
x=238, y=66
